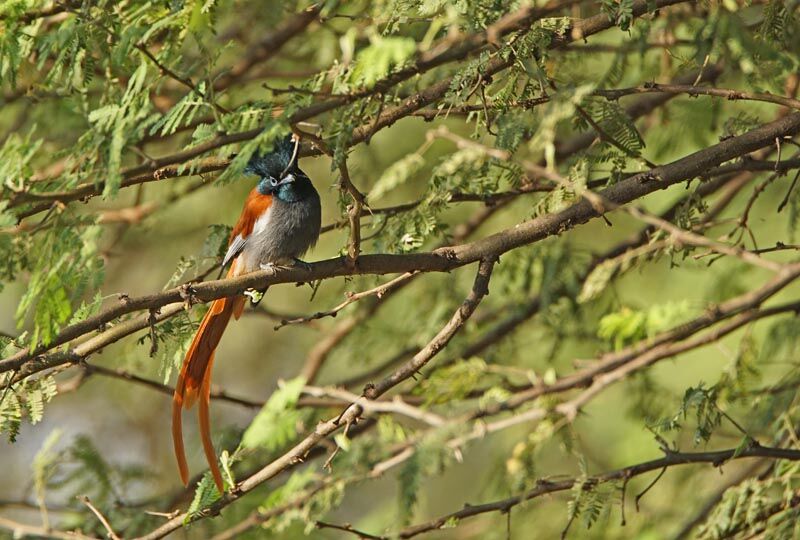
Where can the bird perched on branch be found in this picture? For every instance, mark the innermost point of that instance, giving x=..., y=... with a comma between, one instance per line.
x=280, y=221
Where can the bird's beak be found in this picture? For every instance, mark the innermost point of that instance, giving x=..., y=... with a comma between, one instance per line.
x=288, y=179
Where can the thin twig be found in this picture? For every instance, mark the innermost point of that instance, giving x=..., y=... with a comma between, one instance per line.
x=545, y=486
x=521, y=19
x=378, y=292
x=22, y=529
x=352, y=413
x=443, y=259
x=110, y=532
x=347, y=528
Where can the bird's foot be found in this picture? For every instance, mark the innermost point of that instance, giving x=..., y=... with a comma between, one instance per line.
x=255, y=296
x=293, y=263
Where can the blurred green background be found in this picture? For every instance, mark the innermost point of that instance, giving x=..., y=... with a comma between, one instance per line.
x=129, y=423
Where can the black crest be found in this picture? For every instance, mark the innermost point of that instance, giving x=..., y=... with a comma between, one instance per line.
x=282, y=158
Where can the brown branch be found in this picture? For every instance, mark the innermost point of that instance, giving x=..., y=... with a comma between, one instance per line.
x=351, y=414
x=694, y=91
x=479, y=290
x=268, y=47
x=442, y=259
x=21, y=529
x=89, y=190
x=662, y=43
x=111, y=534
x=779, y=246
x=650, y=88
x=185, y=81
x=407, y=450
x=348, y=529
x=353, y=212
x=313, y=396
x=544, y=487
x=97, y=342
x=161, y=167
x=664, y=345
x=60, y=6
x=124, y=375
x=378, y=292
x=395, y=405
x=346, y=187
x=684, y=236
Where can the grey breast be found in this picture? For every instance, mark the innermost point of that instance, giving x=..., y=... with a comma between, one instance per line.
x=290, y=230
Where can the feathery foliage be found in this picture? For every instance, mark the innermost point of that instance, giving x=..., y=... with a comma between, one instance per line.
x=611, y=337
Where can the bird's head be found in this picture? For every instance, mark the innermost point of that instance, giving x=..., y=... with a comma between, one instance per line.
x=278, y=171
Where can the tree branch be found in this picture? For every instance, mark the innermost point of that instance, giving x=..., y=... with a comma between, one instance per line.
x=160, y=167
x=694, y=91
x=442, y=259
x=544, y=487
x=351, y=414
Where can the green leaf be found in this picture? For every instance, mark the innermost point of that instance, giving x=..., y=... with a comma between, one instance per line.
x=396, y=174
x=44, y=464
x=597, y=280
x=10, y=414
x=623, y=327
x=454, y=382
x=216, y=242
x=383, y=55
x=205, y=494
x=410, y=479
x=182, y=113
x=627, y=326
x=276, y=423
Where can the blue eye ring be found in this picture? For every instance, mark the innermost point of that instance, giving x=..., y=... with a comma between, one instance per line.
x=273, y=181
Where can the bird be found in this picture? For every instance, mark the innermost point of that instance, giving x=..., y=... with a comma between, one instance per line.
x=279, y=223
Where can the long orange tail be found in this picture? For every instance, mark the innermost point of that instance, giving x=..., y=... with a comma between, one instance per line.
x=195, y=381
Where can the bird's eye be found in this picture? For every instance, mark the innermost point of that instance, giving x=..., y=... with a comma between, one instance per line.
x=273, y=181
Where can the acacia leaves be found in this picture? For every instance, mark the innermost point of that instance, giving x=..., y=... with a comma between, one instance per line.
x=474, y=128
x=628, y=326
x=275, y=424
x=24, y=400
x=273, y=428
x=380, y=58
x=67, y=266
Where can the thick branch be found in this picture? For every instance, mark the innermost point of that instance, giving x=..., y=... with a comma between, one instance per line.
x=353, y=412
x=156, y=168
x=443, y=259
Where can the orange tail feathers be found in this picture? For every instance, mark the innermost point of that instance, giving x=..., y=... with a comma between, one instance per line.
x=195, y=381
